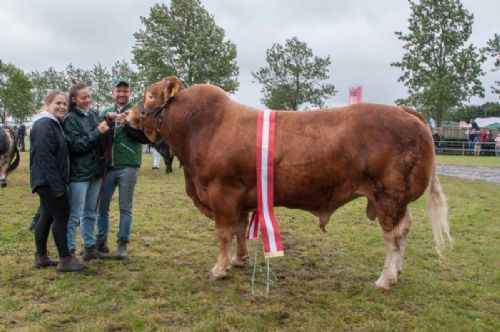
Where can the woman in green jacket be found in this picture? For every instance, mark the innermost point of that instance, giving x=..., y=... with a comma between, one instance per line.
x=83, y=131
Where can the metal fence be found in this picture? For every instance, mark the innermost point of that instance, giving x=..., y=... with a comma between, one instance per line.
x=466, y=148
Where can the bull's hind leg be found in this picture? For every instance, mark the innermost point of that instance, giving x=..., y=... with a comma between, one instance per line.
x=405, y=228
x=395, y=243
x=241, y=244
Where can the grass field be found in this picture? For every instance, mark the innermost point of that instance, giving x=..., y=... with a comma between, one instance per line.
x=324, y=281
x=489, y=161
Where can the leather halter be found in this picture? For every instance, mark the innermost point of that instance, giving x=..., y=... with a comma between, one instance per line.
x=155, y=111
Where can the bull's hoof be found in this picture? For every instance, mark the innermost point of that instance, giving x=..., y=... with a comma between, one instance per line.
x=4, y=184
x=384, y=284
x=238, y=262
x=217, y=276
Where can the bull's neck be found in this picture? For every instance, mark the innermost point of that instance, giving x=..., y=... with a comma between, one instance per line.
x=186, y=129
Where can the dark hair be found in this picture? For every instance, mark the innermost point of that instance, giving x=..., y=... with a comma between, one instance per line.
x=73, y=90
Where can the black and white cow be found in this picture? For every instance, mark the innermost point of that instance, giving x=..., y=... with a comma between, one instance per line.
x=9, y=153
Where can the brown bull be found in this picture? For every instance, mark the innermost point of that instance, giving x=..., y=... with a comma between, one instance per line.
x=323, y=160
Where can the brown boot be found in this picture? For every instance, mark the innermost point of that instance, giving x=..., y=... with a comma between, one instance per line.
x=70, y=264
x=42, y=260
x=102, y=246
x=92, y=253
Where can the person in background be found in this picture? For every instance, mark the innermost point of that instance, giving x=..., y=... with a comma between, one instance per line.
x=156, y=157
x=477, y=144
x=474, y=125
x=438, y=145
x=491, y=139
x=21, y=133
x=497, y=145
x=48, y=178
x=484, y=140
x=83, y=130
x=123, y=162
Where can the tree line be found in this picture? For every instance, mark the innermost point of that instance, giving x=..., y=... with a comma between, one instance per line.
x=440, y=68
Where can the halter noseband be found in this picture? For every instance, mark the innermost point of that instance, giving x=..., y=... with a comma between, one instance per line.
x=146, y=112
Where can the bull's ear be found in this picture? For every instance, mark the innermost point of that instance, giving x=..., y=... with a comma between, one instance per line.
x=172, y=85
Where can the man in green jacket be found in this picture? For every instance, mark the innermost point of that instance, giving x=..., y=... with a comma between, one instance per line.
x=123, y=162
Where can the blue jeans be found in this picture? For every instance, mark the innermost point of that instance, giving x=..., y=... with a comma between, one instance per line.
x=82, y=201
x=125, y=179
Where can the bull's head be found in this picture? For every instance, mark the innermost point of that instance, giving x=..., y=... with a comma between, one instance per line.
x=146, y=114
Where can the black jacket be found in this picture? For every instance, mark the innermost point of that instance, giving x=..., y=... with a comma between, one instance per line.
x=48, y=154
x=83, y=139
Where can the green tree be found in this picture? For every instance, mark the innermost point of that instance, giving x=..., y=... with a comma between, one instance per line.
x=16, y=98
x=78, y=75
x=493, y=50
x=293, y=76
x=183, y=40
x=439, y=70
x=45, y=81
x=467, y=112
x=101, y=87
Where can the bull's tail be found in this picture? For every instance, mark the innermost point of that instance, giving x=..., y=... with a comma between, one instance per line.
x=437, y=209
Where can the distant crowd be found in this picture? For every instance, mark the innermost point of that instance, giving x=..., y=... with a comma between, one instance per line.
x=479, y=139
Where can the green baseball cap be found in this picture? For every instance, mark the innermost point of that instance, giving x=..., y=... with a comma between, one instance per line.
x=120, y=80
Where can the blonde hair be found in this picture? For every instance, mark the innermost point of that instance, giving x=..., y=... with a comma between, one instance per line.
x=49, y=98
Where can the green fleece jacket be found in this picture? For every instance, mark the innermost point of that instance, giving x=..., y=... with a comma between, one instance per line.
x=83, y=137
x=126, y=151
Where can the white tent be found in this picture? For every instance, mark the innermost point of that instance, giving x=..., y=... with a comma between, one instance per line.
x=483, y=122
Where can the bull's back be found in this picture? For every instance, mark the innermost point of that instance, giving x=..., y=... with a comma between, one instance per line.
x=339, y=154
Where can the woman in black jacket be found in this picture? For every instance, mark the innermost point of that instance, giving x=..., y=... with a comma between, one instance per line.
x=49, y=179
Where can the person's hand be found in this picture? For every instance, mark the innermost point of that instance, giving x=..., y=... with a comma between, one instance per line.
x=120, y=118
x=111, y=115
x=59, y=194
x=103, y=127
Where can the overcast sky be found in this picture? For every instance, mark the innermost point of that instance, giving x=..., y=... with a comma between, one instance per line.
x=358, y=35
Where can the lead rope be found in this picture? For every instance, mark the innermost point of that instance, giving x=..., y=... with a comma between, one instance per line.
x=270, y=276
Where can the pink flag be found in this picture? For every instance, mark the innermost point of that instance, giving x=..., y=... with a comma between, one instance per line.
x=355, y=94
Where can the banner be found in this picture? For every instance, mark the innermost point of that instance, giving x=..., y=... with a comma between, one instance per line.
x=355, y=94
x=264, y=218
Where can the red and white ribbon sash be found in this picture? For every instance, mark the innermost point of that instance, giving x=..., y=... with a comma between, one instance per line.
x=264, y=218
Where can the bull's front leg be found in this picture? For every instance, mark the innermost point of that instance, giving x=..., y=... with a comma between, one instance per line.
x=241, y=244
x=4, y=163
x=225, y=236
x=225, y=204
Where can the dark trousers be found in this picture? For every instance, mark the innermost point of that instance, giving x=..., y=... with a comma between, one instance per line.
x=54, y=211
x=21, y=143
